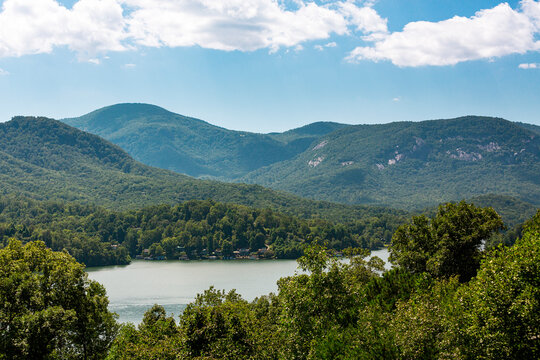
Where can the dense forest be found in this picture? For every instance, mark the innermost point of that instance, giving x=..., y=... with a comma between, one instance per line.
x=409, y=165
x=446, y=298
x=206, y=229
x=45, y=159
x=190, y=146
x=412, y=165
x=192, y=230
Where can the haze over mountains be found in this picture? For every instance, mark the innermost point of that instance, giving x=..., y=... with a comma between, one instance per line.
x=403, y=164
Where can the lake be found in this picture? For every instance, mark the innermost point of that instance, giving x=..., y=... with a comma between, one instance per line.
x=134, y=288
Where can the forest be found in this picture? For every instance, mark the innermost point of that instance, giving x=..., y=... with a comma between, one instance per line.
x=194, y=229
x=445, y=298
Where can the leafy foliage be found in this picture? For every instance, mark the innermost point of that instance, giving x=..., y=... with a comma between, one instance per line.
x=48, y=307
x=157, y=337
x=505, y=297
x=97, y=236
x=338, y=310
x=448, y=244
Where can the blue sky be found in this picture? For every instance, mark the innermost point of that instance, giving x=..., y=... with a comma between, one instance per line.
x=264, y=65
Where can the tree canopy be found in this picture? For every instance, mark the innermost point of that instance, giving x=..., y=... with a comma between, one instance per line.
x=448, y=244
x=48, y=307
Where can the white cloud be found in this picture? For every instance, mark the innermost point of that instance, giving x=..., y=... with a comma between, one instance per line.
x=129, y=66
x=396, y=99
x=488, y=34
x=244, y=25
x=529, y=66
x=365, y=18
x=92, y=28
x=3, y=72
x=328, y=45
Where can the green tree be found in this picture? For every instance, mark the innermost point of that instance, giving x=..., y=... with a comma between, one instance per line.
x=157, y=337
x=427, y=325
x=49, y=308
x=448, y=244
x=502, y=304
x=219, y=325
x=169, y=245
x=320, y=309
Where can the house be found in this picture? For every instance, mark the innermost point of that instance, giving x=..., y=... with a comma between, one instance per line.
x=243, y=252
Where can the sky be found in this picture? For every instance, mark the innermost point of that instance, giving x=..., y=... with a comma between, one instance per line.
x=273, y=65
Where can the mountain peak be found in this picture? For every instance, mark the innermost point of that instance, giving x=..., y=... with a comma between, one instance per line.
x=51, y=144
x=191, y=146
x=127, y=109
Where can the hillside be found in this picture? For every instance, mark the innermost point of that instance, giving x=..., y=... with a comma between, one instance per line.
x=43, y=159
x=190, y=146
x=414, y=164
x=531, y=127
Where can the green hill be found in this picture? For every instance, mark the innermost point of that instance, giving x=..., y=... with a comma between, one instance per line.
x=44, y=159
x=531, y=127
x=414, y=164
x=404, y=164
x=190, y=146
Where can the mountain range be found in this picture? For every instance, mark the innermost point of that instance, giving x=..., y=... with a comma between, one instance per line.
x=160, y=138
x=402, y=164
x=45, y=159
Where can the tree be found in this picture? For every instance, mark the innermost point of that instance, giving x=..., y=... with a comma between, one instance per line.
x=426, y=326
x=49, y=308
x=320, y=309
x=157, y=337
x=502, y=304
x=219, y=325
x=448, y=244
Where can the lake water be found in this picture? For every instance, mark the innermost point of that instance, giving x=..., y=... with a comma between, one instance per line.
x=134, y=288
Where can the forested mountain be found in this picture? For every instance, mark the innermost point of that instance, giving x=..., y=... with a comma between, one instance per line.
x=532, y=127
x=190, y=146
x=414, y=164
x=45, y=159
x=403, y=164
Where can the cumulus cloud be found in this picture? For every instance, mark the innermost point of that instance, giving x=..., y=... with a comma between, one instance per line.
x=365, y=18
x=244, y=25
x=488, y=34
x=529, y=66
x=3, y=72
x=94, y=27
x=91, y=27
